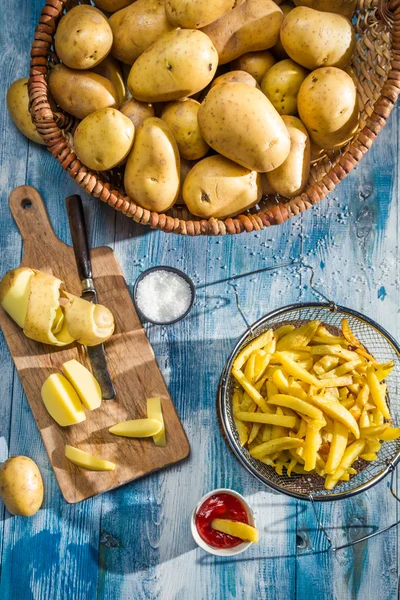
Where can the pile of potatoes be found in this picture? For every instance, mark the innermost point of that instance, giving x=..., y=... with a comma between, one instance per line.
x=226, y=100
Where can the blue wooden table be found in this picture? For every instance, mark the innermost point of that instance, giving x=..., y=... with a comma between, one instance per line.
x=134, y=543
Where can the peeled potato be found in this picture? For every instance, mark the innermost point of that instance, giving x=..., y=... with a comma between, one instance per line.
x=84, y=383
x=137, y=428
x=61, y=401
x=89, y=324
x=87, y=461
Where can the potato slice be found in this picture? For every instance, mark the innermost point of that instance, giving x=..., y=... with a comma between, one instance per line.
x=87, y=461
x=62, y=401
x=299, y=337
x=137, y=428
x=338, y=447
x=265, y=418
x=14, y=293
x=84, y=383
x=300, y=406
x=154, y=411
x=89, y=324
x=245, y=532
x=378, y=393
x=337, y=412
x=278, y=444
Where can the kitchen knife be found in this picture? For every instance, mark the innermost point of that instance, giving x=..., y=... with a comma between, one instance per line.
x=80, y=244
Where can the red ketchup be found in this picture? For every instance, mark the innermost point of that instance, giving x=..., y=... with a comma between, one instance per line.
x=220, y=506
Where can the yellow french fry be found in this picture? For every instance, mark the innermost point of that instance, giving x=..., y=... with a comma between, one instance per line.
x=347, y=367
x=271, y=389
x=243, y=431
x=355, y=388
x=290, y=466
x=369, y=456
x=256, y=344
x=312, y=444
x=266, y=433
x=348, y=403
x=265, y=418
x=350, y=455
x=300, y=406
x=343, y=381
x=343, y=393
x=292, y=368
x=355, y=410
x=235, y=402
x=364, y=419
x=251, y=390
x=345, y=477
x=384, y=371
x=281, y=331
x=302, y=429
x=279, y=431
x=373, y=445
x=267, y=461
x=337, y=412
x=283, y=443
x=378, y=393
x=392, y=433
x=374, y=431
x=249, y=368
x=338, y=447
x=261, y=363
x=333, y=350
x=327, y=339
x=299, y=337
x=325, y=364
x=247, y=404
x=281, y=382
x=363, y=395
x=236, y=529
x=296, y=355
x=377, y=417
x=297, y=392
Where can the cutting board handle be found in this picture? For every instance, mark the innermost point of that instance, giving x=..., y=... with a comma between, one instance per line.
x=30, y=214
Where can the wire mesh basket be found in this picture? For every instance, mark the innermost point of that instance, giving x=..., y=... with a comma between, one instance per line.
x=311, y=486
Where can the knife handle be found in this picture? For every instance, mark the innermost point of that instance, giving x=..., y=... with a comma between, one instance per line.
x=80, y=243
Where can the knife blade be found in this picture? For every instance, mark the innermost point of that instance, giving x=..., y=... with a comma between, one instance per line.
x=97, y=355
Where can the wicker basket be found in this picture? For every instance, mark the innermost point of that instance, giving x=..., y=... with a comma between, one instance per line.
x=376, y=63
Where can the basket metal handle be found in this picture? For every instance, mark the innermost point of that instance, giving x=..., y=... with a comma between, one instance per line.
x=364, y=538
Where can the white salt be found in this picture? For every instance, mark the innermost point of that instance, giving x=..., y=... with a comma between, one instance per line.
x=163, y=296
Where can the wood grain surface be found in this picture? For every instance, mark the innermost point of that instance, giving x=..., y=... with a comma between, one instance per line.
x=133, y=367
x=134, y=543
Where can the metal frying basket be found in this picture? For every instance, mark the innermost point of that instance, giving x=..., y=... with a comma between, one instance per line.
x=311, y=486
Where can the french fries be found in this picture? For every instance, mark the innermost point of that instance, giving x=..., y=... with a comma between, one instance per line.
x=310, y=401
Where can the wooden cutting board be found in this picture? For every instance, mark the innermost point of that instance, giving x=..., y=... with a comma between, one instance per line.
x=131, y=361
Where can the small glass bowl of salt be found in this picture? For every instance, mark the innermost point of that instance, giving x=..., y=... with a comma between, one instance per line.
x=163, y=295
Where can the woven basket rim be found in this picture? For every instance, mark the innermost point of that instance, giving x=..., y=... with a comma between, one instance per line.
x=51, y=126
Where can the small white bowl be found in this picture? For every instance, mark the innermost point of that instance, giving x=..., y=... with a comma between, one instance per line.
x=211, y=549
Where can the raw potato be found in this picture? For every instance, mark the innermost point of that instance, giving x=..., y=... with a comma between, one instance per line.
x=341, y=7
x=112, y=5
x=81, y=92
x=83, y=37
x=87, y=461
x=84, y=383
x=291, y=177
x=137, y=428
x=14, y=293
x=281, y=85
x=217, y=187
x=61, y=401
x=154, y=411
x=278, y=50
x=255, y=63
x=137, y=111
x=18, y=107
x=89, y=324
x=152, y=169
x=317, y=39
x=254, y=25
x=50, y=315
x=104, y=139
x=179, y=64
x=110, y=69
x=239, y=122
x=137, y=27
x=21, y=486
x=193, y=15
x=181, y=117
x=235, y=77
x=327, y=105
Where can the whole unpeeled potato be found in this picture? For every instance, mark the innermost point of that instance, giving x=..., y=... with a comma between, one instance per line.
x=341, y=7
x=281, y=85
x=179, y=64
x=235, y=77
x=181, y=117
x=239, y=122
x=111, y=70
x=290, y=178
x=317, y=39
x=217, y=187
x=81, y=92
x=21, y=486
x=137, y=111
x=136, y=27
x=112, y=5
x=193, y=15
x=152, y=169
x=18, y=107
x=255, y=63
x=254, y=25
x=104, y=139
x=328, y=107
x=83, y=38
